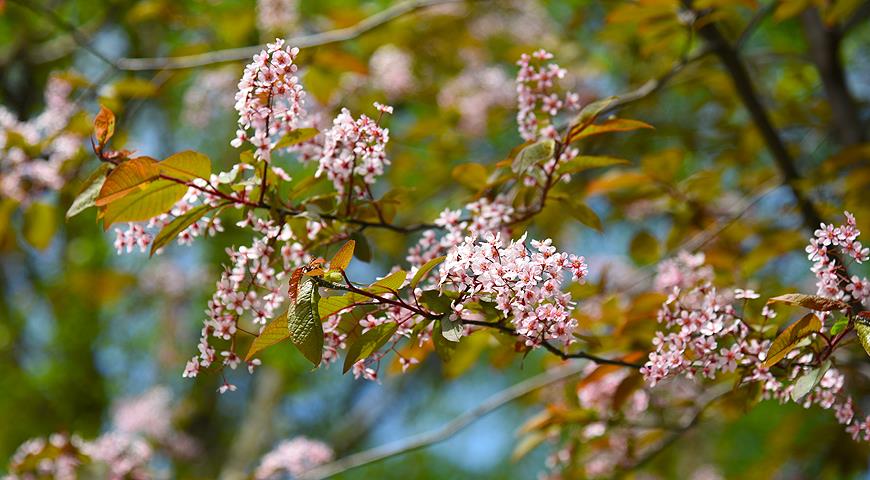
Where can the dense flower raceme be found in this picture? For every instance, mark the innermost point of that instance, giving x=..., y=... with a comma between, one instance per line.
x=250, y=289
x=293, y=457
x=354, y=146
x=139, y=425
x=705, y=335
x=537, y=102
x=832, y=282
x=524, y=284
x=25, y=176
x=270, y=99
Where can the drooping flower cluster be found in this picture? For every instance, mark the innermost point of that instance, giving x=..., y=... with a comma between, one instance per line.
x=390, y=71
x=705, y=334
x=524, y=285
x=537, y=102
x=24, y=176
x=293, y=457
x=832, y=282
x=250, y=287
x=354, y=147
x=270, y=99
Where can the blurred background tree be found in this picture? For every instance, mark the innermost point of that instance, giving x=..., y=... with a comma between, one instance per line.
x=760, y=116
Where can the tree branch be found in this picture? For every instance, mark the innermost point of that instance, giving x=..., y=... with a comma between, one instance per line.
x=316, y=39
x=448, y=430
x=824, y=49
x=554, y=349
x=749, y=97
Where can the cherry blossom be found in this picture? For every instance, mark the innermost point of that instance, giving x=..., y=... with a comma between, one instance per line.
x=270, y=99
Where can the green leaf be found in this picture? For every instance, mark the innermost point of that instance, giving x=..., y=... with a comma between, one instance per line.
x=443, y=347
x=789, y=339
x=306, y=331
x=424, y=269
x=89, y=191
x=534, y=154
x=132, y=175
x=368, y=343
x=275, y=332
x=156, y=198
x=584, y=214
x=329, y=306
x=839, y=326
x=435, y=301
x=589, y=113
x=587, y=162
x=808, y=381
x=186, y=166
x=813, y=302
x=451, y=329
x=389, y=284
x=863, y=332
x=40, y=224
x=295, y=137
x=363, y=251
x=177, y=225
x=644, y=248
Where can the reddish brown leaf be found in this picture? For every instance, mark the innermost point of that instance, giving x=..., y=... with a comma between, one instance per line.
x=104, y=127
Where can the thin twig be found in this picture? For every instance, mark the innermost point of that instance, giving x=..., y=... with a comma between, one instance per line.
x=448, y=430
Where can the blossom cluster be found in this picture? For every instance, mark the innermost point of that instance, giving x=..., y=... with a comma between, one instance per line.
x=270, y=99
x=57, y=457
x=123, y=452
x=26, y=176
x=705, y=336
x=293, y=457
x=524, y=285
x=487, y=216
x=390, y=71
x=831, y=281
x=354, y=147
x=473, y=93
x=250, y=287
x=537, y=102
